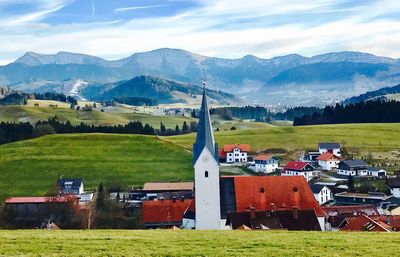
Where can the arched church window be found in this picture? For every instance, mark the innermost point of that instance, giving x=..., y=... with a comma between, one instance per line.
x=206, y=174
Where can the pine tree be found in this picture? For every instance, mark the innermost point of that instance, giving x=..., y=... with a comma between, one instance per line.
x=101, y=197
x=185, y=127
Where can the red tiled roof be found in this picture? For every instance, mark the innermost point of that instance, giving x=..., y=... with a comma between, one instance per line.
x=221, y=153
x=274, y=192
x=294, y=165
x=242, y=147
x=164, y=211
x=391, y=220
x=327, y=156
x=59, y=199
x=365, y=223
x=263, y=157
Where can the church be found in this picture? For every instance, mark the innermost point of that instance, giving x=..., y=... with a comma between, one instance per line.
x=217, y=197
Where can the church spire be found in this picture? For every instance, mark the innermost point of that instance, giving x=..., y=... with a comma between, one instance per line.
x=205, y=136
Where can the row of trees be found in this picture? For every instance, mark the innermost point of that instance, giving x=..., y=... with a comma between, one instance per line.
x=363, y=112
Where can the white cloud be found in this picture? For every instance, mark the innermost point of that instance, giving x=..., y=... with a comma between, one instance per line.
x=202, y=30
x=132, y=8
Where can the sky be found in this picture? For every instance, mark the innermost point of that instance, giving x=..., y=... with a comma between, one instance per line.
x=113, y=29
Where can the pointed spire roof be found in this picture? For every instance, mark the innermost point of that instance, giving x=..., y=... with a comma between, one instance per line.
x=205, y=136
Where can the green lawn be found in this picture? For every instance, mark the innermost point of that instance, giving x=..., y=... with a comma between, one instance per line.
x=196, y=243
x=19, y=113
x=381, y=140
x=29, y=167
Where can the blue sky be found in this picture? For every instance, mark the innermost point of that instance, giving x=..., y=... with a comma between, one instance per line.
x=225, y=28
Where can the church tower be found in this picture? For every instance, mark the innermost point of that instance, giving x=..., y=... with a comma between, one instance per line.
x=206, y=173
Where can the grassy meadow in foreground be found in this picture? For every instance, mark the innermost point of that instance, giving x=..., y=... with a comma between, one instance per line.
x=30, y=167
x=196, y=243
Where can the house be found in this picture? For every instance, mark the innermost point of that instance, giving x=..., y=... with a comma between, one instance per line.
x=164, y=213
x=328, y=161
x=266, y=163
x=390, y=206
x=294, y=168
x=352, y=168
x=365, y=223
x=275, y=219
x=346, y=198
x=321, y=193
x=234, y=153
x=267, y=193
x=310, y=157
x=71, y=186
x=333, y=148
x=394, y=184
x=337, y=214
x=31, y=211
x=376, y=172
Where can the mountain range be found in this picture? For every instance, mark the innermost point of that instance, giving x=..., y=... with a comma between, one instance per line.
x=291, y=79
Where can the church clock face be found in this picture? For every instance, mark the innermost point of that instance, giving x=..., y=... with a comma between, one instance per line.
x=206, y=158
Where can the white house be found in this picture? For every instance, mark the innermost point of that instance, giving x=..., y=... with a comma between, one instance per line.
x=328, y=161
x=234, y=153
x=266, y=163
x=330, y=148
x=352, y=168
x=321, y=193
x=72, y=186
x=394, y=184
x=294, y=168
x=376, y=172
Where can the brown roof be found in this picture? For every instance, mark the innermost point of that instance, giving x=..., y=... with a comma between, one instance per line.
x=263, y=157
x=365, y=223
x=165, y=211
x=168, y=186
x=242, y=147
x=327, y=156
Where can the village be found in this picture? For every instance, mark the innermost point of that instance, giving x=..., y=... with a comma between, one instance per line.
x=322, y=191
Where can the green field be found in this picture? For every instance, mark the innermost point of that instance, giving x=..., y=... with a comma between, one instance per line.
x=29, y=167
x=19, y=113
x=381, y=140
x=196, y=243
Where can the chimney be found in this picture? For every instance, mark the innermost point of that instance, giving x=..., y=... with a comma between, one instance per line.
x=252, y=212
x=295, y=212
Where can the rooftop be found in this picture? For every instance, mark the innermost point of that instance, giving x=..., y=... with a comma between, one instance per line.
x=327, y=145
x=327, y=156
x=242, y=147
x=41, y=199
x=168, y=186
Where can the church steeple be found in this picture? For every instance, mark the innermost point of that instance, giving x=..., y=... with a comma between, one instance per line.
x=205, y=136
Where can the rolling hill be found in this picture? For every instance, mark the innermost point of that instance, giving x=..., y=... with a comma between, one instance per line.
x=291, y=79
x=30, y=167
x=386, y=93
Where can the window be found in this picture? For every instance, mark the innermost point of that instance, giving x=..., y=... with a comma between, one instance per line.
x=206, y=174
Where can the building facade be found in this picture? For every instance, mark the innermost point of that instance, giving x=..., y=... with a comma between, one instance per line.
x=266, y=163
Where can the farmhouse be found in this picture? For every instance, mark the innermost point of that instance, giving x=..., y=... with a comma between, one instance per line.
x=164, y=213
x=328, y=161
x=352, y=168
x=234, y=153
x=337, y=214
x=321, y=193
x=71, y=186
x=333, y=148
x=365, y=223
x=294, y=168
x=266, y=163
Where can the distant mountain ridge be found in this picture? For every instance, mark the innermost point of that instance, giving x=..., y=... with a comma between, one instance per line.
x=382, y=93
x=291, y=79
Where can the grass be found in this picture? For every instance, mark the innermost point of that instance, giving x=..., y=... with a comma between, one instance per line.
x=29, y=113
x=30, y=167
x=381, y=140
x=196, y=243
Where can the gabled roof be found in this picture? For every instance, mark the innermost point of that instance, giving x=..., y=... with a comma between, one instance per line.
x=205, y=136
x=266, y=193
x=242, y=147
x=315, y=188
x=326, y=145
x=295, y=165
x=40, y=199
x=164, y=211
x=365, y=223
x=73, y=183
x=168, y=186
x=354, y=163
x=327, y=156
